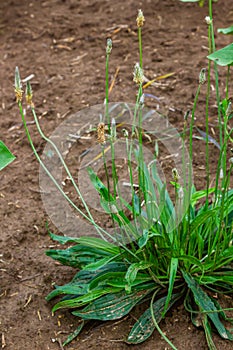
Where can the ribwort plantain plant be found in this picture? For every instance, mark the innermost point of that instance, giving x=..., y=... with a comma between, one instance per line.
x=156, y=253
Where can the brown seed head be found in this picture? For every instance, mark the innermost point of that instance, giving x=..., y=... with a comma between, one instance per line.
x=29, y=95
x=100, y=133
x=18, y=94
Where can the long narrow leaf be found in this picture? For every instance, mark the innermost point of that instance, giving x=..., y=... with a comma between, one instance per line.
x=172, y=277
x=88, y=241
x=145, y=326
x=208, y=333
x=73, y=335
x=84, y=299
x=112, y=306
x=206, y=305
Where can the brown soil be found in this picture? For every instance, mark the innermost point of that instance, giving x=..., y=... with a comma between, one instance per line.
x=63, y=44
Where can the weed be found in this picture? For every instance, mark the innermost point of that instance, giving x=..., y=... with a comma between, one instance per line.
x=160, y=250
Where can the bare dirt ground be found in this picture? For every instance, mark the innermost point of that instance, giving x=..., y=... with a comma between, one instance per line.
x=63, y=42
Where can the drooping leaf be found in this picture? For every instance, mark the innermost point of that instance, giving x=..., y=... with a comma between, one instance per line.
x=145, y=326
x=206, y=305
x=223, y=57
x=6, y=157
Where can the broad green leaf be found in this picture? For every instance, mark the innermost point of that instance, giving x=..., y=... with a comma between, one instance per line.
x=228, y=30
x=112, y=306
x=68, y=289
x=143, y=239
x=6, y=157
x=145, y=326
x=223, y=57
x=84, y=280
x=74, y=334
x=79, y=283
x=206, y=305
x=172, y=277
x=78, y=256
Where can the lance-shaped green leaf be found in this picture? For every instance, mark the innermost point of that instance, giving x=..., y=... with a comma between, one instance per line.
x=223, y=57
x=145, y=326
x=78, y=256
x=73, y=335
x=206, y=305
x=112, y=306
x=202, y=218
x=84, y=299
x=6, y=157
x=172, y=277
x=73, y=289
x=81, y=282
x=94, y=242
